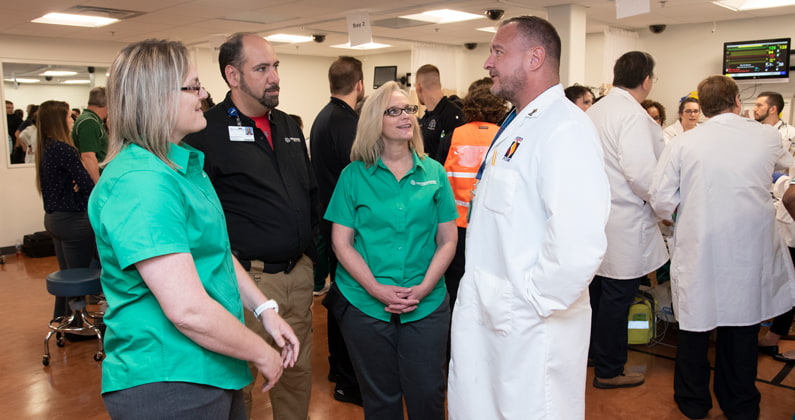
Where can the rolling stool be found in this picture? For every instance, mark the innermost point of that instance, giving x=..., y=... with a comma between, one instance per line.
x=77, y=282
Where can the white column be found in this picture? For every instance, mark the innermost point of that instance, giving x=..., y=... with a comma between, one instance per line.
x=569, y=20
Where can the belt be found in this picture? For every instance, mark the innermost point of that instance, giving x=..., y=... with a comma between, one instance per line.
x=274, y=267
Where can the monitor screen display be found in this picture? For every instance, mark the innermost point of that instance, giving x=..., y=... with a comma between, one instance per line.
x=757, y=61
x=384, y=74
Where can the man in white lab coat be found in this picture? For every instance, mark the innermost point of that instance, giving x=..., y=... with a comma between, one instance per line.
x=632, y=142
x=729, y=269
x=535, y=237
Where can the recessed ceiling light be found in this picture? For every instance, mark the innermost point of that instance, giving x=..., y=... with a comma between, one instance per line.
x=287, y=38
x=443, y=16
x=58, y=73
x=74, y=20
x=367, y=46
x=738, y=5
x=76, y=82
x=21, y=80
x=492, y=29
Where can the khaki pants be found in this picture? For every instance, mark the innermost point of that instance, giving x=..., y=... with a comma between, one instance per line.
x=293, y=293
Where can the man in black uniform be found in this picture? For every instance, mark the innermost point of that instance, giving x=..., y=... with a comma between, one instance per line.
x=256, y=158
x=441, y=116
x=332, y=137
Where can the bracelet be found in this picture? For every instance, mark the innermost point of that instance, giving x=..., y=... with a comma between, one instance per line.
x=268, y=304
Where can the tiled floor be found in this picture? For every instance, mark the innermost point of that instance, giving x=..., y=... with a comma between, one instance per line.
x=69, y=387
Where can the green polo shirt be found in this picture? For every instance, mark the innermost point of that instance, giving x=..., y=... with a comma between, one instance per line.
x=89, y=134
x=395, y=226
x=142, y=208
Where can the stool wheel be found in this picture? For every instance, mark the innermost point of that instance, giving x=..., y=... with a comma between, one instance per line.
x=45, y=360
x=59, y=339
x=99, y=356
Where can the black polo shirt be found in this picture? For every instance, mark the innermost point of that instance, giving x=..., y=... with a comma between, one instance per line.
x=269, y=195
x=331, y=139
x=440, y=122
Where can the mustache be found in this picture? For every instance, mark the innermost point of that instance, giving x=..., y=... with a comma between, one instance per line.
x=273, y=88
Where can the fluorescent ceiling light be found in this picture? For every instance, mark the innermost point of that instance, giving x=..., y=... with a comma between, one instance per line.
x=738, y=5
x=58, y=73
x=367, y=46
x=76, y=82
x=21, y=80
x=443, y=16
x=74, y=20
x=287, y=38
x=492, y=29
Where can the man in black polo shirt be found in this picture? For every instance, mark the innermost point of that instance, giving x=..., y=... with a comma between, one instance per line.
x=256, y=158
x=441, y=116
x=332, y=137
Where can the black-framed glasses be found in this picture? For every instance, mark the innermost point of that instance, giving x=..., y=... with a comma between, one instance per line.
x=395, y=111
x=197, y=89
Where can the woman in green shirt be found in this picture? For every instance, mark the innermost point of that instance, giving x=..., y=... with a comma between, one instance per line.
x=175, y=340
x=394, y=234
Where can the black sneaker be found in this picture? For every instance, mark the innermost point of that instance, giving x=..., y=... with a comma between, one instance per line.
x=352, y=396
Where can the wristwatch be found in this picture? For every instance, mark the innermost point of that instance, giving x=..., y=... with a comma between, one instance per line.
x=268, y=304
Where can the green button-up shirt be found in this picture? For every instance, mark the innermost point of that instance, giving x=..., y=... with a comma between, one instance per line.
x=142, y=208
x=395, y=224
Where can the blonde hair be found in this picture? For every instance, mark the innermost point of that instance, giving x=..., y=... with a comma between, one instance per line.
x=368, y=144
x=143, y=91
x=51, y=126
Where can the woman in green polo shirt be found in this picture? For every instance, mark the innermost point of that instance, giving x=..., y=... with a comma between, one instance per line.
x=394, y=234
x=175, y=340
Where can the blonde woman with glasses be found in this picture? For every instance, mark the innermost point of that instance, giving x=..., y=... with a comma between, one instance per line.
x=176, y=343
x=394, y=234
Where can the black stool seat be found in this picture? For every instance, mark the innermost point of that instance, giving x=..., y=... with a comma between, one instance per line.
x=74, y=282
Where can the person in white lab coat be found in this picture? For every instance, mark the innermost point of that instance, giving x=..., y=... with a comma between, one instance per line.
x=535, y=238
x=730, y=269
x=632, y=143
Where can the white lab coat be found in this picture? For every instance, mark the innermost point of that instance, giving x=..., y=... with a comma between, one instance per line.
x=672, y=131
x=521, y=323
x=632, y=143
x=729, y=265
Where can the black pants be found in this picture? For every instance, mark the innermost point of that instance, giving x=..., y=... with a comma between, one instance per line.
x=454, y=272
x=75, y=246
x=397, y=361
x=610, y=302
x=735, y=373
x=175, y=400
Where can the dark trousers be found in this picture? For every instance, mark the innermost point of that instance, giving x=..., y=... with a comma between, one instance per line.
x=340, y=365
x=175, y=400
x=75, y=246
x=394, y=361
x=610, y=302
x=782, y=323
x=735, y=373
x=452, y=277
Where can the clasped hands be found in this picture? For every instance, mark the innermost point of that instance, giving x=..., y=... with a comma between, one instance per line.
x=399, y=300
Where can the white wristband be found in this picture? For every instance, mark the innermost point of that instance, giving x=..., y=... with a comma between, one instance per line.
x=268, y=304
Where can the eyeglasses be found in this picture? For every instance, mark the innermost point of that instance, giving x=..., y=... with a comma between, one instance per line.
x=692, y=111
x=196, y=89
x=395, y=111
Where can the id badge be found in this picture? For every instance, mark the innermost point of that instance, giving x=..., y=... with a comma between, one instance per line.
x=237, y=133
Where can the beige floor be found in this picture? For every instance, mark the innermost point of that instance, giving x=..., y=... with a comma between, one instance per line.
x=69, y=387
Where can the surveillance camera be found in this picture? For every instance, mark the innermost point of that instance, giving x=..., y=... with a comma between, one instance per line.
x=470, y=45
x=318, y=37
x=48, y=78
x=656, y=29
x=91, y=69
x=494, y=14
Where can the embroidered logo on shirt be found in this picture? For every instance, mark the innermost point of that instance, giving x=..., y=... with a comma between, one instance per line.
x=431, y=124
x=511, y=150
x=423, y=183
x=292, y=139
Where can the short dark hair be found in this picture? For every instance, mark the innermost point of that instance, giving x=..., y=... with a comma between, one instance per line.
x=632, y=68
x=231, y=52
x=686, y=100
x=343, y=74
x=773, y=99
x=575, y=92
x=539, y=30
x=717, y=94
x=481, y=105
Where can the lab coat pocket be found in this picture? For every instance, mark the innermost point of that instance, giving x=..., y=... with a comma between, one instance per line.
x=496, y=301
x=501, y=190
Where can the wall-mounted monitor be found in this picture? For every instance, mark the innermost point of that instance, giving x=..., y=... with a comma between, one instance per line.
x=383, y=74
x=760, y=61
